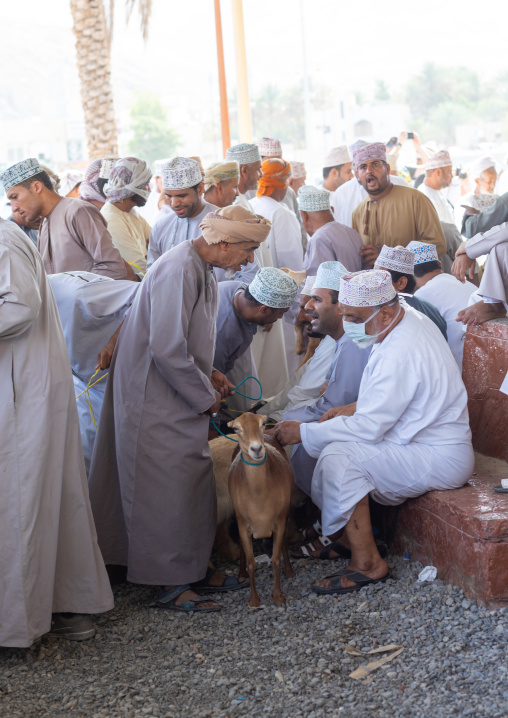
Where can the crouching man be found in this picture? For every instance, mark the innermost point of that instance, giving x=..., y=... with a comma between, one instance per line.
x=408, y=435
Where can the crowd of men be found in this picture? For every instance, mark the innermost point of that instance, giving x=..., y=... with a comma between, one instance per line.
x=119, y=337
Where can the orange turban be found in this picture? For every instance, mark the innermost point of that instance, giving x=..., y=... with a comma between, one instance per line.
x=276, y=173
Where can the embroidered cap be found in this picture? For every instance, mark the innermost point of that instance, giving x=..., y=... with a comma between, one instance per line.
x=268, y=147
x=329, y=275
x=374, y=151
x=273, y=288
x=439, y=159
x=398, y=259
x=181, y=173
x=481, y=202
x=423, y=252
x=298, y=170
x=244, y=153
x=107, y=165
x=20, y=172
x=308, y=285
x=366, y=289
x=313, y=199
x=337, y=156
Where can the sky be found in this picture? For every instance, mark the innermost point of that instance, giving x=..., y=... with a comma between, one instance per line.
x=347, y=47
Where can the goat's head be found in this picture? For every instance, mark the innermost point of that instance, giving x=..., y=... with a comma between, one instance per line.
x=249, y=429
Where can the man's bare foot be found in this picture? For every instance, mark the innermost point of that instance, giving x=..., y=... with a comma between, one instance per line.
x=375, y=568
x=190, y=596
x=481, y=312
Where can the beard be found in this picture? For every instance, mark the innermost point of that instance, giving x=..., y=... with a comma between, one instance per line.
x=229, y=273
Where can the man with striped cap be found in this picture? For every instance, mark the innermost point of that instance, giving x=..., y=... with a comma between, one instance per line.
x=407, y=434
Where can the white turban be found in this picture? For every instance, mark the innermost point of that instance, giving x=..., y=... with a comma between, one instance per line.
x=485, y=163
x=128, y=177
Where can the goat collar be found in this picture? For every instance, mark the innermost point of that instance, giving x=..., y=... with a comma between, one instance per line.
x=250, y=463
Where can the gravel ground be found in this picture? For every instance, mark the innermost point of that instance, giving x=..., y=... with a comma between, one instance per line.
x=273, y=661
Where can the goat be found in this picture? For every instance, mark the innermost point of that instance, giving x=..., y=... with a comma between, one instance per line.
x=260, y=485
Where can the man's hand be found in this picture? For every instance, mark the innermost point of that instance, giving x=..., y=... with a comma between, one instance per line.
x=287, y=432
x=369, y=254
x=105, y=354
x=347, y=410
x=215, y=407
x=462, y=264
x=221, y=384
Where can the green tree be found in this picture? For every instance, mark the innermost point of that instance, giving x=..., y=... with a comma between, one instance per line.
x=152, y=137
x=381, y=92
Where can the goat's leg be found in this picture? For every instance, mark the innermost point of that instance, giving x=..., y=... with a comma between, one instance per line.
x=278, y=539
x=242, y=573
x=288, y=569
x=246, y=542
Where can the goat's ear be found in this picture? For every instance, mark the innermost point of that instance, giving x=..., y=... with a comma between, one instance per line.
x=230, y=424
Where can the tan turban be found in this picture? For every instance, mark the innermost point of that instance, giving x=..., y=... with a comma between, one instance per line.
x=220, y=172
x=234, y=224
x=276, y=173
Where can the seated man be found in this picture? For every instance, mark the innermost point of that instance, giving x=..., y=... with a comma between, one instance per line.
x=305, y=386
x=443, y=291
x=243, y=308
x=91, y=309
x=330, y=240
x=345, y=373
x=494, y=285
x=400, y=263
x=409, y=433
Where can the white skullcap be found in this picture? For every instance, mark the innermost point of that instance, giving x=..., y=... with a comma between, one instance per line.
x=367, y=289
x=308, y=285
x=313, y=199
x=329, y=275
x=439, y=159
x=298, y=170
x=69, y=180
x=337, y=156
x=158, y=165
x=181, y=173
x=481, y=202
x=244, y=153
x=269, y=147
x=485, y=163
x=273, y=288
x=397, y=259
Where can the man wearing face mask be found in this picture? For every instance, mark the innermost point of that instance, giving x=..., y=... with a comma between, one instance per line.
x=408, y=433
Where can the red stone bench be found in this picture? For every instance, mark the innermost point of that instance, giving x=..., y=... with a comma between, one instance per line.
x=464, y=533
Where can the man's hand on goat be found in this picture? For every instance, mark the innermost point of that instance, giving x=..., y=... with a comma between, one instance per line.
x=221, y=384
x=347, y=410
x=287, y=432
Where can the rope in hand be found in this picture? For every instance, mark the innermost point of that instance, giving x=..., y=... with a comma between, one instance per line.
x=133, y=264
x=246, y=397
x=86, y=392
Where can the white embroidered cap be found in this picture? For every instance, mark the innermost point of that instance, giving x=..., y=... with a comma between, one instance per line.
x=481, y=202
x=366, y=289
x=329, y=275
x=269, y=147
x=337, y=156
x=20, y=172
x=181, y=173
x=308, y=285
x=423, y=252
x=298, y=170
x=244, y=153
x=439, y=159
x=313, y=199
x=273, y=288
x=107, y=164
x=374, y=151
x=398, y=259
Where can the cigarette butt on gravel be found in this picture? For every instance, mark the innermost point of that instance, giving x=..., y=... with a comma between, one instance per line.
x=364, y=671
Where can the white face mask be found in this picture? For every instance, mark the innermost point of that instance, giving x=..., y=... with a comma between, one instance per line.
x=357, y=332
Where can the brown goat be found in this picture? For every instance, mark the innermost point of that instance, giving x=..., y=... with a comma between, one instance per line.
x=260, y=485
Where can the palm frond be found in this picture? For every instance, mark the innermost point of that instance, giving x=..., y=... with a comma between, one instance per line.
x=144, y=9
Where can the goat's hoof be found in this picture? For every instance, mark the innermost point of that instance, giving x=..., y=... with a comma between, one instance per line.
x=254, y=602
x=279, y=600
x=289, y=573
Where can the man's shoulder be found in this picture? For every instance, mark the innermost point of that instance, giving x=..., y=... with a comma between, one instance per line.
x=77, y=207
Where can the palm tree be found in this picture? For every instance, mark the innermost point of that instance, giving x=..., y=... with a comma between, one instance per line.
x=93, y=41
